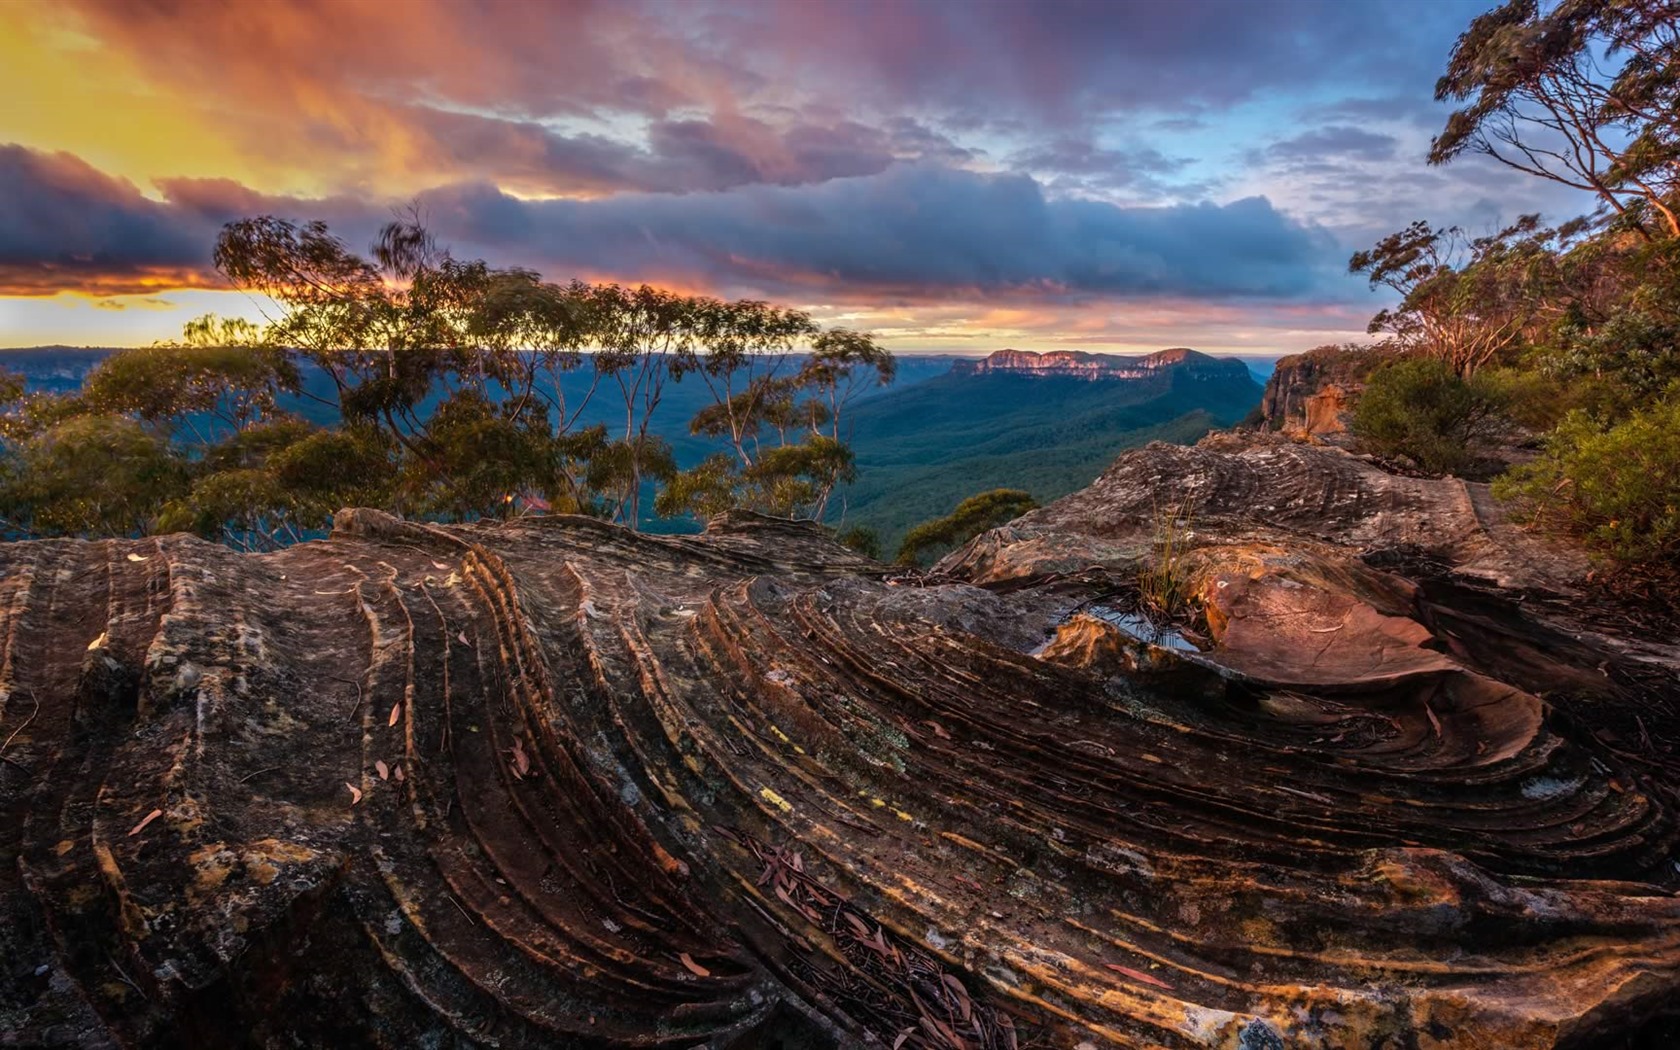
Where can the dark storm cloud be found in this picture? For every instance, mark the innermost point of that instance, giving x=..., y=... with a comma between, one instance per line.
x=66, y=225
x=912, y=233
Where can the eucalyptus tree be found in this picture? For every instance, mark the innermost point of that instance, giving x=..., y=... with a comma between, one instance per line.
x=1585, y=93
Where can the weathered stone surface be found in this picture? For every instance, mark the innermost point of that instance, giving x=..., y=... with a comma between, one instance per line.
x=551, y=783
x=1309, y=395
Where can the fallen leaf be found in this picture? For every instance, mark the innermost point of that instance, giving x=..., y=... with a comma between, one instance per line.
x=135, y=557
x=1138, y=975
x=396, y=713
x=153, y=815
x=399, y=773
x=902, y=1036
x=461, y=636
x=693, y=967
x=938, y=730
x=439, y=565
x=383, y=770
x=104, y=636
x=355, y=792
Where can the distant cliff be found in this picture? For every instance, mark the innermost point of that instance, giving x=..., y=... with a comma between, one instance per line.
x=1085, y=365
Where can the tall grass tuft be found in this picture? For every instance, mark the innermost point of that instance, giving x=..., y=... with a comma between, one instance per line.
x=1165, y=580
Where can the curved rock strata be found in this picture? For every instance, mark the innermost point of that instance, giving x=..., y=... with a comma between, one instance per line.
x=552, y=783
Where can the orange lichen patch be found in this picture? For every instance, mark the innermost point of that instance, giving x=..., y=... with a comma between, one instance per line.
x=265, y=858
x=211, y=866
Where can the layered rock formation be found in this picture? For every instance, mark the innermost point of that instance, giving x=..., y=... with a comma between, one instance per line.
x=551, y=783
x=1083, y=365
x=1309, y=395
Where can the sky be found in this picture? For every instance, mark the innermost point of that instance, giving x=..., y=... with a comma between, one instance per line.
x=958, y=175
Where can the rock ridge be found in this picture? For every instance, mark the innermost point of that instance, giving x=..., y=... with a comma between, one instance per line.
x=551, y=782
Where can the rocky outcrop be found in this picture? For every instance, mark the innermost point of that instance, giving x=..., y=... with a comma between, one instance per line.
x=552, y=783
x=1081, y=364
x=1310, y=395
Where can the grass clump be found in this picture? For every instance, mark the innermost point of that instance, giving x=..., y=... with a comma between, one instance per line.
x=1166, y=581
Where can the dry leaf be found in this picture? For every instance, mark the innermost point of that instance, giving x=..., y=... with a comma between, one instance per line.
x=938, y=730
x=396, y=713
x=1139, y=975
x=902, y=1036
x=104, y=636
x=382, y=769
x=439, y=565
x=693, y=967
x=355, y=792
x=138, y=828
x=461, y=636
x=399, y=773
x=135, y=557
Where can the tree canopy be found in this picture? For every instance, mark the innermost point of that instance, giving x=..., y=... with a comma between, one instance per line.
x=441, y=385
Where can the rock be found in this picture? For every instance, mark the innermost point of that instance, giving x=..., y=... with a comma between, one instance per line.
x=748, y=788
x=1309, y=396
x=1180, y=360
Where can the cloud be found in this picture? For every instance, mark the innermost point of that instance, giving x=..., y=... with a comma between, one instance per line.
x=594, y=97
x=912, y=233
x=1335, y=142
x=69, y=226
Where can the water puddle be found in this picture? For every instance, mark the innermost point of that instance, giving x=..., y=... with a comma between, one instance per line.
x=1140, y=628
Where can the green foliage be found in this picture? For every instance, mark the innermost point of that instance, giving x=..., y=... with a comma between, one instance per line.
x=973, y=516
x=923, y=449
x=169, y=385
x=862, y=539
x=1466, y=302
x=789, y=480
x=446, y=399
x=1420, y=409
x=1617, y=488
x=89, y=475
x=1583, y=93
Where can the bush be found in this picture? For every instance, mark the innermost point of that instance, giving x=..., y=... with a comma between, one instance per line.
x=862, y=539
x=1419, y=408
x=1615, y=488
x=973, y=516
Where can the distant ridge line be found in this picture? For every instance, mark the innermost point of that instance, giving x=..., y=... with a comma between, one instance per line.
x=1089, y=365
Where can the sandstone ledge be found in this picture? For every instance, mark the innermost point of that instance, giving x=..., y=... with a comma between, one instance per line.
x=551, y=783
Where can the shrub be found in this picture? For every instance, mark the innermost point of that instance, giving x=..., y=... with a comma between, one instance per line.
x=862, y=539
x=973, y=516
x=1419, y=408
x=1615, y=488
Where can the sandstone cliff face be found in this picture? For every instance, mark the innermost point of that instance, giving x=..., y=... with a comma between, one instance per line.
x=1309, y=395
x=1084, y=365
x=551, y=783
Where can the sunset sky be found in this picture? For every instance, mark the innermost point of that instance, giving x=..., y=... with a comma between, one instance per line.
x=960, y=175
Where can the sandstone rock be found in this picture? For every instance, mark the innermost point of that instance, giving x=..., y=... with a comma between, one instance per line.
x=552, y=783
x=1309, y=396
